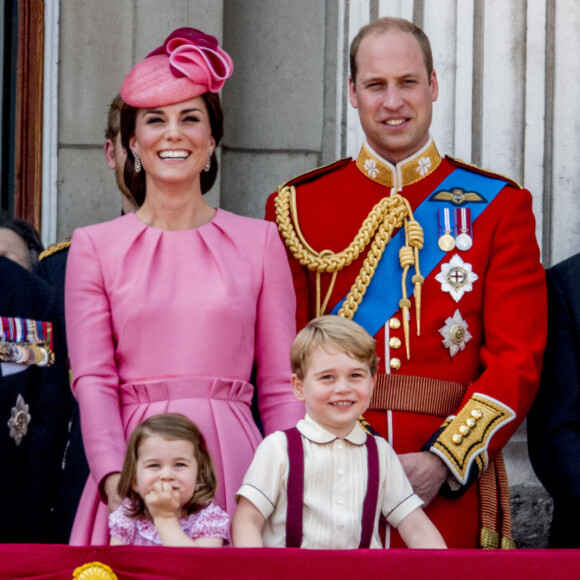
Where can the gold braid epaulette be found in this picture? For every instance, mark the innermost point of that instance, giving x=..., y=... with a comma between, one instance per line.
x=53, y=249
x=387, y=215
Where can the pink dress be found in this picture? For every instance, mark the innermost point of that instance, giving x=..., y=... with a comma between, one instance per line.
x=173, y=321
x=210, y=522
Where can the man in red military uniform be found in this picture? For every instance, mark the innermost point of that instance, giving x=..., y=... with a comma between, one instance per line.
x=438, y=260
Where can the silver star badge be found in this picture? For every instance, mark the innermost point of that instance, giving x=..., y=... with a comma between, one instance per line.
x=456, y=277
x=455, y=333
x=19, y=420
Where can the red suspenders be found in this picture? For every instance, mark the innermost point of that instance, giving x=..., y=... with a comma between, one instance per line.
x=296, y=490
x=372, y=495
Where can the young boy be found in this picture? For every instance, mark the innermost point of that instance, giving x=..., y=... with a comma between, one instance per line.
x=324, y=484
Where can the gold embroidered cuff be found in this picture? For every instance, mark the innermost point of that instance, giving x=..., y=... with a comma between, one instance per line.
x=464, y=441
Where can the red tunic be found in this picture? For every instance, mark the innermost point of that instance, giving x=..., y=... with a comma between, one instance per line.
x=505, y=313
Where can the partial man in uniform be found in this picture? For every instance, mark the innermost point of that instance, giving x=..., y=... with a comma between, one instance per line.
x=52, y=268
x=34, y=403
x=554, y=420
x=438, y=260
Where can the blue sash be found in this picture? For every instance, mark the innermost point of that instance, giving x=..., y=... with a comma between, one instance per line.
x=381, y=299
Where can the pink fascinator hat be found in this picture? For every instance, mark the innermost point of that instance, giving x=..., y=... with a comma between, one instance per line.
x=189, y=64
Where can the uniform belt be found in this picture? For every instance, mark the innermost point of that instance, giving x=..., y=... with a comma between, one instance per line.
x=416, y=395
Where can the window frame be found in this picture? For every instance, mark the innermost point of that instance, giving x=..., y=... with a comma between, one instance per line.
x=29, y=113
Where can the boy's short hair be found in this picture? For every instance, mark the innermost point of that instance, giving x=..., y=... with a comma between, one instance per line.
x=333, y=331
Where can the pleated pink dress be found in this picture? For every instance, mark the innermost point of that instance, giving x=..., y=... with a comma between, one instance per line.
x=173, y=321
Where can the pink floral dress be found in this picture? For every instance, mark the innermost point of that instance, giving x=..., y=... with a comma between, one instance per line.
x=210, y=522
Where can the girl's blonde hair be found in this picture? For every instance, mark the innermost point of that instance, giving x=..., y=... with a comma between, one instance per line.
x=333, y=331
x=172, y=426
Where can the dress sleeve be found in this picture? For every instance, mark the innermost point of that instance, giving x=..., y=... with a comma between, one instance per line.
x=275, y=331
x=211, y=522
x=92, y=355
x=122, y=527
x=514, y=319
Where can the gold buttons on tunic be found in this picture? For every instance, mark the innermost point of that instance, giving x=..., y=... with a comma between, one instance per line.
x=464, y=430
x=395, y=364
x=457, y=439
x=395, y=342
x=394, y=323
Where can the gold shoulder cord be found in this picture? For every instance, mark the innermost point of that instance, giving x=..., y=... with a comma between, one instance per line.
x=387, y=215
x=53, y=249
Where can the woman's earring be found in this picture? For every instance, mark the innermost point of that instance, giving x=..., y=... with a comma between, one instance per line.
x=138, y=165
x=207, y=165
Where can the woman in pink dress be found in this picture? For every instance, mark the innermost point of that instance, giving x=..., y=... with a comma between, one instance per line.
x=169, y=308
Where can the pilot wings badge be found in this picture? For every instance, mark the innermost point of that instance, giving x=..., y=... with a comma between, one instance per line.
x=458, y=196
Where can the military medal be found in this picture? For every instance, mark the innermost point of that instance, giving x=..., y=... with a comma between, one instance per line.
x=19, y=420
x=26, y=342
x=446, y=241
x=455, y=333
x=464, y=238
x=456, y=277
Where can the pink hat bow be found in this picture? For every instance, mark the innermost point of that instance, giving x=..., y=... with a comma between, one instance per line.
x=188, y=64
x=196, y=55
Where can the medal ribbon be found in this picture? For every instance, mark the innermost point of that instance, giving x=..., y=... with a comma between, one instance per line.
x=445, y=226
x=25, y=330
x=381, y=299
x=463, y=220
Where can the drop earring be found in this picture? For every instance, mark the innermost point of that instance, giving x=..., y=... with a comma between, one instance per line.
x=207, y=165
x=138, y=165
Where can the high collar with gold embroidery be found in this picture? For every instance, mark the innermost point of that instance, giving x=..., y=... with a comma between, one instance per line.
x=406, y=172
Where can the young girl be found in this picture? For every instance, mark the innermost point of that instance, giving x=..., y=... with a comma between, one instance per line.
x=167, y=484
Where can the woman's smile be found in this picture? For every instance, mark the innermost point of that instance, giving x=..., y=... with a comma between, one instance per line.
x=172, y=154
